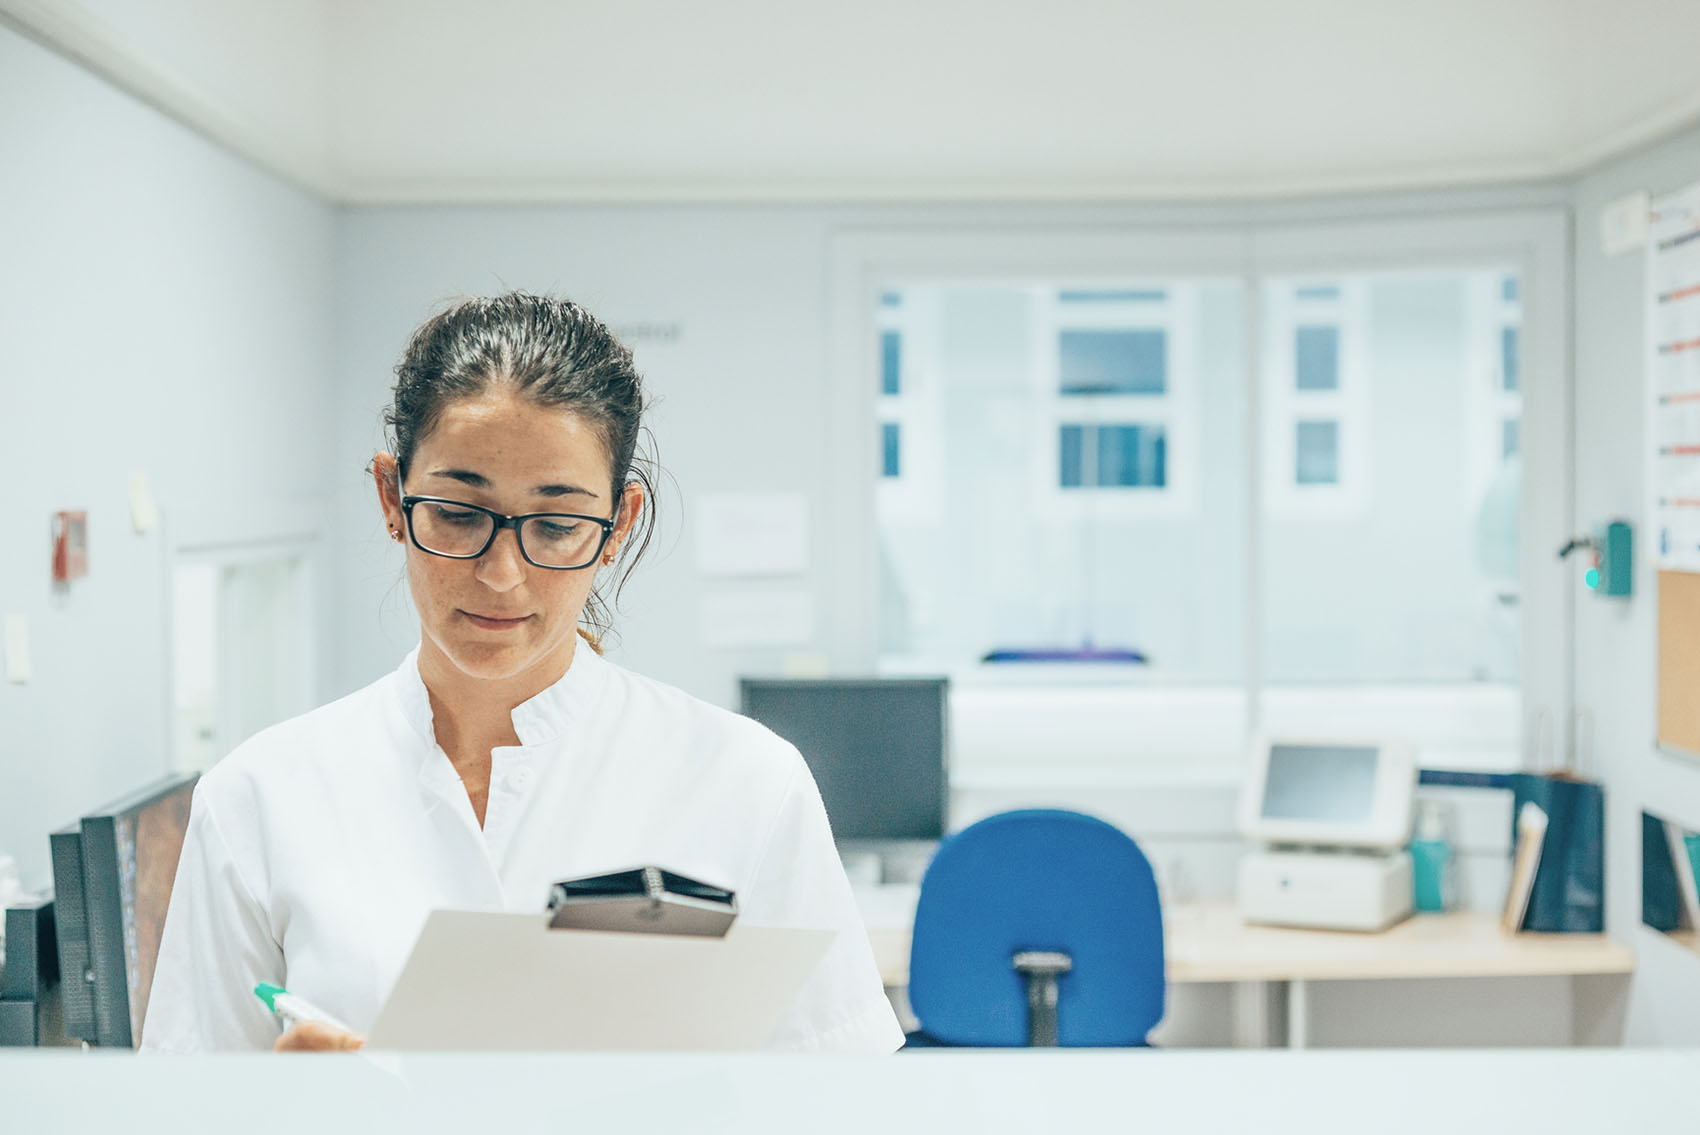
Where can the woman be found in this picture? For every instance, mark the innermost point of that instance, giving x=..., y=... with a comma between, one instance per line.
x=504, y=754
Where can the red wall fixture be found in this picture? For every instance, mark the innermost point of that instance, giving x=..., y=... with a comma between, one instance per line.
x=70, y=545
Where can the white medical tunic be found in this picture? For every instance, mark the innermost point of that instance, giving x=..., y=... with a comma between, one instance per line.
x=317, y=848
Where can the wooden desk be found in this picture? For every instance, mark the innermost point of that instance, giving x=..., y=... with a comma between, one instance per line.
x=1207, y=942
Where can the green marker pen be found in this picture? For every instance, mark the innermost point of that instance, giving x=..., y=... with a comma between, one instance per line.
x=294, y=1009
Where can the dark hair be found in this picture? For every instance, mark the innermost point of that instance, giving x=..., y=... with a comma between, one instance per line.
x=554, y=353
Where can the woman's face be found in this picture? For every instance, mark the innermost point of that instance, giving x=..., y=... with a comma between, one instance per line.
x=498, y=617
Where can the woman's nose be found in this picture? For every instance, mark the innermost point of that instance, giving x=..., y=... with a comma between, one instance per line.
x=502, y=566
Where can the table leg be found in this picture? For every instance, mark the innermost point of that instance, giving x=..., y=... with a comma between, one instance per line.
x=1251, y=1014
x=1599, y=1004
x=1298, y=1014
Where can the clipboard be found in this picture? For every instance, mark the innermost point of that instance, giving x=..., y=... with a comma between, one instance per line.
x=642, y=900
x=500, y=982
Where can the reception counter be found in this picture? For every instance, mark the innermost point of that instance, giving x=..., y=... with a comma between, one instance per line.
x=931, y=1092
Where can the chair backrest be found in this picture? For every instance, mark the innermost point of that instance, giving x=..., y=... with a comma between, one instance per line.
x=1038, y=880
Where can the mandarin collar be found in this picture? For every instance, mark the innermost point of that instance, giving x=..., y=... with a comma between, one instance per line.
x=538, y=720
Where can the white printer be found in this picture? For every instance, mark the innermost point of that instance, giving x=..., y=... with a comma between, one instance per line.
x=1335, y=819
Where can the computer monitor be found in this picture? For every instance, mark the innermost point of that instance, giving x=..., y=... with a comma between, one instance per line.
x=29, y=977
x=112, y=878
x=1333, y=793
x=876, y=746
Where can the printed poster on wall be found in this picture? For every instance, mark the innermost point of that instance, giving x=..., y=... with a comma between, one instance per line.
x=1673, y=306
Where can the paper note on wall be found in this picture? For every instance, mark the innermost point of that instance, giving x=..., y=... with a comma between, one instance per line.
x=773, y=617
x=143, y=513
x=752, y=533
x=17, y=648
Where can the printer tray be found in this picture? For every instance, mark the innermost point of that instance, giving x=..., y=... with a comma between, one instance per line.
x=643, y=900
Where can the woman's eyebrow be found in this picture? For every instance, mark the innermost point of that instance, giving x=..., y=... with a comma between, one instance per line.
x=464, y=476
x=562, y=491
x=479, y=481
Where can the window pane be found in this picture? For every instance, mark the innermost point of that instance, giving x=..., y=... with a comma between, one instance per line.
x=889, y=443
x=1029, y=519
x=1392, y=576
x=1316, y=451
x=891, y=362
x=1511, y=437
x=1508, y=358
x=1508, y=289
x=891, y=299
x=1069, y=445
x=1316, y=355
x=1113, y=362
x=1132, y=456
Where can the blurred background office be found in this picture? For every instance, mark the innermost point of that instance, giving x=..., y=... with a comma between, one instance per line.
x=1260, y=356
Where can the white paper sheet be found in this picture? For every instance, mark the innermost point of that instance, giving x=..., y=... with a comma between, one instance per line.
x=752, y=533
x=498, y=982
x=17, y=648
x=1673, y=328
x=144, y=515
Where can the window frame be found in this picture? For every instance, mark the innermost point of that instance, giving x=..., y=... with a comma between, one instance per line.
x=1349, y=404
x=1487, y=402
x=1176, y=409
x=917, y=410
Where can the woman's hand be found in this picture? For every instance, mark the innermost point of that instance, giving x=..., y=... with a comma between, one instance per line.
x=311, y=1036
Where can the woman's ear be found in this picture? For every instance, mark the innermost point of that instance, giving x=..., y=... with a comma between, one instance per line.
x=631, y=505
x=388, y=483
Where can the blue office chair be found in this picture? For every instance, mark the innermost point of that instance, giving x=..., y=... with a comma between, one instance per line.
x=1037, y=927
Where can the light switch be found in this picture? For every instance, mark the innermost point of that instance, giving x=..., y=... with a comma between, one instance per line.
x=17, y=648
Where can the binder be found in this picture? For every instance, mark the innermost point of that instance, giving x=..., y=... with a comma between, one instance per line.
x=1685, y=882
x=1661, y=892
x=1568, y=894
x=1525, y=858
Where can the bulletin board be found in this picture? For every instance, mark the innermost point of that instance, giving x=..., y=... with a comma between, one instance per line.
x=1679, y=660
x=1673, y=337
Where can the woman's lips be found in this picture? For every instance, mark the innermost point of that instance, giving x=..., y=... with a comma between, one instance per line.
x=491, y=623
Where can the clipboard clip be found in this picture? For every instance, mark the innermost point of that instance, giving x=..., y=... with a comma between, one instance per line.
x=642, y=900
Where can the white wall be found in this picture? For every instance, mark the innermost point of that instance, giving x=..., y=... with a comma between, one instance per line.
x=1615, y=661
x=164, y=310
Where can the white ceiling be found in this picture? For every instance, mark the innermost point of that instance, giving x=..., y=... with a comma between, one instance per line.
x=467, y=100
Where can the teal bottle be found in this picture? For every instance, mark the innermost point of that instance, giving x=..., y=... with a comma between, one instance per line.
x=1431, y=862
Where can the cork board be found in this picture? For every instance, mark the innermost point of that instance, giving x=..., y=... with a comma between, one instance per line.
x=1679, y=660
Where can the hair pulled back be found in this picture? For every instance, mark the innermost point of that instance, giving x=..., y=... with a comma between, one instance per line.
x=552, y=352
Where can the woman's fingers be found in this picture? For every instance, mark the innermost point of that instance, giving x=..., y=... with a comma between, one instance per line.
x=311, y=1036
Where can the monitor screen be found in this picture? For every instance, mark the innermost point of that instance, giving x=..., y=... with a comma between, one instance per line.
x=876, y=747
x=1322, y=783
x=128, y=854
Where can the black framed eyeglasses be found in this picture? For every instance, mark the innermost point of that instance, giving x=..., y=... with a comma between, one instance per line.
x=558, y=541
